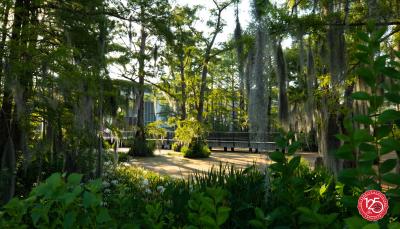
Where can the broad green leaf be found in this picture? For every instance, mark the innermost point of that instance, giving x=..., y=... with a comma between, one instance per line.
x=367, y=75
x=364, y=119
x=360, y=95
x=223, y=215
x=277, y=156
x=394, y=225
x=368, y=156
x=293, y=148
x=294, y=163
x=375, y=102
x=355, y=222
x=103, y=216
x=342, y=137
x=391, y=178
x=371, y=226
x=389, y=144
x=391, y=72
x=393, y=97
x=363, y=36
x=74, y=179
x=69, y=219
x=362, y=136
x=389, y=115
x=345, y=152
x=388, y=165
x=383, y=131
x=89, y=200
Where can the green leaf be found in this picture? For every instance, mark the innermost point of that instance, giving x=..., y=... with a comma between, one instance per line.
x=360, y=95
x=345, y=152
x=277, y=156
x=294, y=163
x=342, y=137
x=375, y=102
x=54, y=180
x=368, y=156
x=223, y=215
x=391, y=178
x=394, y=225
x=389, y=144
x=364, y=119
x=393, y=97
x=383, y=131
x=74, y=179
x=367, y=75
x=103, y=216
x=259, y=213
x=89, y=200
x=391, y=72
x=293, y=148
x=355, y=222
x=371, y=226
x=389, y=115
x=362, y=136
x=363, y=36
x=363, y=48
x=208, y=221
x=69, y=219
x=388, y=165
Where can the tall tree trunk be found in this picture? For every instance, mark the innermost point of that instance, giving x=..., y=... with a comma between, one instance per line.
x=183, y=87
x=281, y=73
x=140, y=134
x=9, y=129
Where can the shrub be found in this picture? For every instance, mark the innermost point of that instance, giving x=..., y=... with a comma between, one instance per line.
x=58, y=203
x=176, y=147
x=196, y=150
x=142, y=149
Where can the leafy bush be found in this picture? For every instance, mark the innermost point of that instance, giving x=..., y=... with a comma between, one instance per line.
x=189, y=130
x=58, y=203
x=176, y=147
x=373, y=135
x=142, y=149
x=197, y=149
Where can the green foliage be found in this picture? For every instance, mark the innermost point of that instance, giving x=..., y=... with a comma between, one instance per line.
x=176, y=147
x=142, y=148
x=58, y=203
x=308, y=196
x=374, y=135
x=196, y=149
x=208, y=210
x=189, y=130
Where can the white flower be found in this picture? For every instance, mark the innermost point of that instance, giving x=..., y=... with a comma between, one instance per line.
x=107, y=190
x=148, y=191
x=114, y=182
x=106, y=184
x=145, y=182
x=160, y=189
x=125, y=164
x=190, y=187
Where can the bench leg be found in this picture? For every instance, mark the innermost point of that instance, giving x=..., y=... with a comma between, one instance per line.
x=250, y=150
x=232, y=149
x=225, y=149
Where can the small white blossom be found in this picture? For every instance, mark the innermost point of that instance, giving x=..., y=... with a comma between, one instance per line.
x=107, y=190
x=114, y=182
x=106, y=184
x=148, y=191
x=125, y=164
x=145, y=182
x=160, y=189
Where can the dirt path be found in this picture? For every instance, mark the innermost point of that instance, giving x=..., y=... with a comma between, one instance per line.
x=173, y=164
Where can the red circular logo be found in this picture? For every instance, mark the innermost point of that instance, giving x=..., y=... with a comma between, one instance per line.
x=372, y=205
